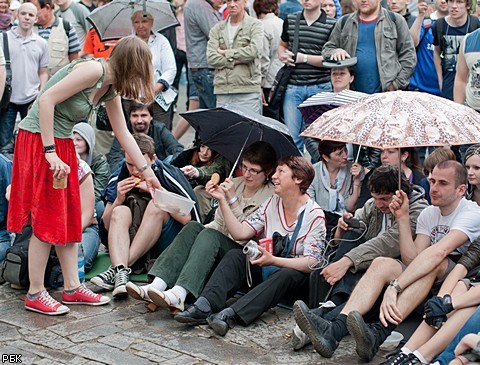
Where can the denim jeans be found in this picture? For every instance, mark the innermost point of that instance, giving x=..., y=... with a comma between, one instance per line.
x=203, y=79
x=471, y=326
x=90, y=244
x=7, y=121
x=294, y=96
x=5, y=244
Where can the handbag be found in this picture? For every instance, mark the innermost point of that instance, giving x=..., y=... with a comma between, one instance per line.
x=7, y=91
x=282, y=247
x=102, y=122
x=275, y=100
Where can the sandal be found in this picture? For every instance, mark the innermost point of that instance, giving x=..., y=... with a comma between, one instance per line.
x=160, y=299
x=137, y=292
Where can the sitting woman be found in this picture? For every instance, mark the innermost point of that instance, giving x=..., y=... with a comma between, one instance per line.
x=185, y=265
x=472, y=163
x=290, y=212
x=409, y=161
x=337, y=182
x=198, y=164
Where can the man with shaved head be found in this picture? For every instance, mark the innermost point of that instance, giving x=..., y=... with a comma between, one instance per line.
x=29, y=62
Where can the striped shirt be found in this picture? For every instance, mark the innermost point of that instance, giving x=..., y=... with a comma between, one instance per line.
x=73, y=43
x=311, y=39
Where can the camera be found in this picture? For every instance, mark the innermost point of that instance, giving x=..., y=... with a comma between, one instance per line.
x=251, y=250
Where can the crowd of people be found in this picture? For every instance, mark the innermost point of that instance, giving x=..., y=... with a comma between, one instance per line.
x=356, y=238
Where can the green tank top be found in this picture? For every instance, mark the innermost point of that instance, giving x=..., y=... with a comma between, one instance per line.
x=76, y=108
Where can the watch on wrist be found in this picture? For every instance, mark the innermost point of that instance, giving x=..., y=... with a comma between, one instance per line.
x=395, y=284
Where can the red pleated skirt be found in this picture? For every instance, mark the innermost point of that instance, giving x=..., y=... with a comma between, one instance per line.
x=55, y=214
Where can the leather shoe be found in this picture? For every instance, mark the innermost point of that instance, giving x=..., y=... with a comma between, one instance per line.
x=220, y=323
x=192, y=315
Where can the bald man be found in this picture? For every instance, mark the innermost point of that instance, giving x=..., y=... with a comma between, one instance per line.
x=29, y=62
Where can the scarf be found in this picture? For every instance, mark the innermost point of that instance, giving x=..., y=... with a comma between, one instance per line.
x=6, y=20
x=336, y=202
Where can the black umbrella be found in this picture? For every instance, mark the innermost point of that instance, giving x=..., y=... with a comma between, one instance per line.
x=229, y=129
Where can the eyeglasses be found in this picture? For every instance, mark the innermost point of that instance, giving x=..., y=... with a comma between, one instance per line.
x=252, y=172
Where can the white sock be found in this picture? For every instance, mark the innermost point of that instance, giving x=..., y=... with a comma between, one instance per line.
x=175, y=293
x=420, y=357
x=158, y=284
x=405, y=350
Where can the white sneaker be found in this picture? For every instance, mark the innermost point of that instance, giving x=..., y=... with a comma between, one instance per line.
x=299, y=338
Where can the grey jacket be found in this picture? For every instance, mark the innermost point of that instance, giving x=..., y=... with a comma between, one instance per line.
x=387, y=243
x=394, y=47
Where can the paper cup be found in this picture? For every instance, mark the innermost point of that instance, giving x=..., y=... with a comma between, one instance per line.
x=60, y=182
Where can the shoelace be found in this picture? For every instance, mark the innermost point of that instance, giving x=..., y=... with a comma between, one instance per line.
x=82, y=289
x=122, y=277
x=46, y=299
x=108, y=275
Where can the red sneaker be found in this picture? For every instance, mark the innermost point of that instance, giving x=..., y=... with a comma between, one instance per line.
x=83, y=295
x=45, y=304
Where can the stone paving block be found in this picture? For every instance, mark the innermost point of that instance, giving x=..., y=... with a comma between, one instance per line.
x=106, y=354
x=14, y=313
x=185, y=360
x=147, y=348
x=8, y=332
x=94, y=333
x=117, y=340
x=26, y=358
x=43, y=351
x=46, y=338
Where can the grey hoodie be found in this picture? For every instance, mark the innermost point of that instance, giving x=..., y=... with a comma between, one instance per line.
x=87, y=133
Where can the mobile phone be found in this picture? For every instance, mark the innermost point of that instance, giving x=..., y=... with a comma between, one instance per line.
x=352, y=222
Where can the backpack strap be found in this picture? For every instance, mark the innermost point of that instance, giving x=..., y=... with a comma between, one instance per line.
x=6, y=54
x=439, y=27
x=67, y=26
x=472, y=24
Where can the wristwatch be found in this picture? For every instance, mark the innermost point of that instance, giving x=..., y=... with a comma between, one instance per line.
x=395, y=284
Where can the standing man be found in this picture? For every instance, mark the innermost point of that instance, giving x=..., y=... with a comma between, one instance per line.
x=401, y=7
x=63, y=46
x=200, y=16
x=382, y=44
x=308, y=77
x=76, y=14
x=448, y=34
x=234, y=49
x=29, y=62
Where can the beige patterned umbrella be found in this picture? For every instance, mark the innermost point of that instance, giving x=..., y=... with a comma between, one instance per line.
x=399, y=119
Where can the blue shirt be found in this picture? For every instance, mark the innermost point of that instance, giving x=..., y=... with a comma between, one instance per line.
x=424, y=76
x=289, y=7
x=367, y=78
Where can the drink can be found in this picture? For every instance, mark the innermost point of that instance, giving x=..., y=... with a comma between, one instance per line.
x=267, y=244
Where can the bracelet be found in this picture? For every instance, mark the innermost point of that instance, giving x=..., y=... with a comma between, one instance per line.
x=143, y=168
x=305, y=58
x=232, y=201
x=49, y=148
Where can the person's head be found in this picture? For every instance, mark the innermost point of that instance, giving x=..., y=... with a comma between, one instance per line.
x=437, y=156
x=348, y=6
x=141, y=116
x=458, y=9
x=4, y=6
x=27, y=16
x=202, y=155
x=367, y=8
x=63, y=4
x=84, y=141
x=441, y=6
x=398, y=6
x=333, y=154
x=236, y=8
x=291, y=171
x=472, y=164
x=142, y=24
x=342, y=78
x=101, y=3
x=45, y=11
x=131, y=56
x=408, y=157
x=383, y=184
x=311, y=5
x=265, y=6
x=447, y=183
x=258, y=163
x=147, y=147
x=328, y=6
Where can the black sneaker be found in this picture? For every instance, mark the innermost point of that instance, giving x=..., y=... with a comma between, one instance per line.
x=122, y=277
x=396, y=358
x=411, y=360
x=106, y=279
x=365, y=336
x=319, y=330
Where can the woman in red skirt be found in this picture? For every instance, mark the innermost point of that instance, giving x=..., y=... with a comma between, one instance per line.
x=45, y=188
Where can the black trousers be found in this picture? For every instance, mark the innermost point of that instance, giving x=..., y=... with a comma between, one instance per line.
x=229, y=276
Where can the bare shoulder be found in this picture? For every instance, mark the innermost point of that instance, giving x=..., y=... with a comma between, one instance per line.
x=89, y=68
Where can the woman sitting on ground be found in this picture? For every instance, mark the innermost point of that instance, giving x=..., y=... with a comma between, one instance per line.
x=185, y=265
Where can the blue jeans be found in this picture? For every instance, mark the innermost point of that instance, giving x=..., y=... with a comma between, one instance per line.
x=471, y=326
x=203, y=79
x=7, y=121
x=294, y=96
x=90, y=244
x=5, y=244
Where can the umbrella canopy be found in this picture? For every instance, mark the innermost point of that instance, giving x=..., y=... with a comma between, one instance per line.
x=112, y=21
x=399, y=119
x=231, y=128
x=322, y=102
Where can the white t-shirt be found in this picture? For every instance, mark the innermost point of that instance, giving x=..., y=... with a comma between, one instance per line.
x=270, y=218
x=231, y=30
x=465, y=218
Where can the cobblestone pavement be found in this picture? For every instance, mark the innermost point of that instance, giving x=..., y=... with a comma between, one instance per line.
x=125, y=332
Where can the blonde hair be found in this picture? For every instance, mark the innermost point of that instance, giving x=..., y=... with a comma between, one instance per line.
x=140, y=14
x=132, y=69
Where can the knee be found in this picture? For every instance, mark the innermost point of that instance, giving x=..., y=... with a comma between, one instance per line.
x=384, y=266
x=120, y=216
x=155, y=213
